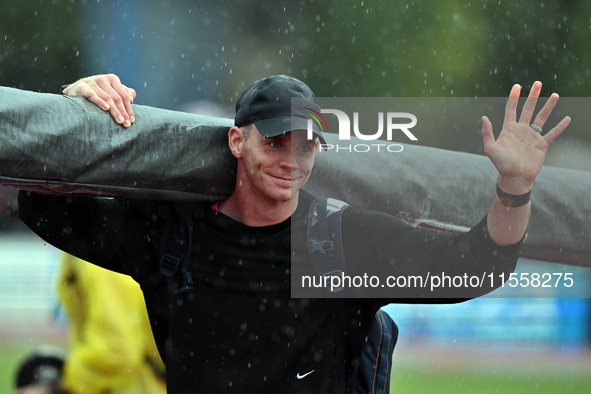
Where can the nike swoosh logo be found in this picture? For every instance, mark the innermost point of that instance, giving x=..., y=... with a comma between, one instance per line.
x=304, y=375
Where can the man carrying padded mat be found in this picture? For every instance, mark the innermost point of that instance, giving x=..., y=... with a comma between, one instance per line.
x=232, y=326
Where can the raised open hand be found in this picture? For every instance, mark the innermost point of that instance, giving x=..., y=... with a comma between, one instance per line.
x=520, y=149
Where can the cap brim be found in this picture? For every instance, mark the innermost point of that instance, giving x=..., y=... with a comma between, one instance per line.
x=273, y=127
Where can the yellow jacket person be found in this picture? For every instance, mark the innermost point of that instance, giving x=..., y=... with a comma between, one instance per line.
x=112, y=347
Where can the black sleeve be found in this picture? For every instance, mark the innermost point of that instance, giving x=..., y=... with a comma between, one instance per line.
x=107, y=232
x=380, y=244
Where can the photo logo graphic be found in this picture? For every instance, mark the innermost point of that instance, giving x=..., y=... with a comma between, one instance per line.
x=317, y=117
x=395, y=122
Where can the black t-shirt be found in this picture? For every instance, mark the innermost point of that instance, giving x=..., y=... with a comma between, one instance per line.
x=239, y=330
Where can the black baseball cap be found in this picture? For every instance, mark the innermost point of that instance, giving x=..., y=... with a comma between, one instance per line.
x=268, y=104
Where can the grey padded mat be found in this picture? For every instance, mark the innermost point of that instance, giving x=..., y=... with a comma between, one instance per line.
x=55, y=144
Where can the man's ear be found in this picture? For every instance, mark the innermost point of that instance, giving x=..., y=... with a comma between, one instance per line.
x=236, y=141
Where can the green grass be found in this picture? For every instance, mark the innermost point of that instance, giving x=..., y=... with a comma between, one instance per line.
x=417, y=380
x=9, y=359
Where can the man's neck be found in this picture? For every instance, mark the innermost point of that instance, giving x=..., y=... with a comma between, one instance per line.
x=257, y=213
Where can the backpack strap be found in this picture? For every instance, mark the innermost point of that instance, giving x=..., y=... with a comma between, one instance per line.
x=324, y=237
x=176, y=244
x=325, y=245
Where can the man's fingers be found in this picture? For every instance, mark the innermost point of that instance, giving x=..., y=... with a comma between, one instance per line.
x=67, y=90
x=124, y=104
x=131, y=92
x=118, y=108
x=118, y=97
x=511, y=106
x=487, y=133
x=557, y=130
x=127, y=96
x=546, y=110
x=107, y=92
x=530, y=104
x=103, y=93
x=93, y=97
x=132, y=95
x=111, y=86
x=80, y=89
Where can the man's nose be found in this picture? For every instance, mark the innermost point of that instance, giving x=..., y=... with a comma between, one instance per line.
x=290, y=161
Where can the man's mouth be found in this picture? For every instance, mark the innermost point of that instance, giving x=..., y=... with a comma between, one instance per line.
x=282, y=180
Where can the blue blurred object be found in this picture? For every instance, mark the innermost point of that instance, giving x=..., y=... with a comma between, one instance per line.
x=561, y=318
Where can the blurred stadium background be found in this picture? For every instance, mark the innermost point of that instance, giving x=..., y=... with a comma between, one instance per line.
x=181, y=52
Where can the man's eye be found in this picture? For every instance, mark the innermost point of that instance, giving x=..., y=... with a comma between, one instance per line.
x=306, y=148
x=274, y=144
